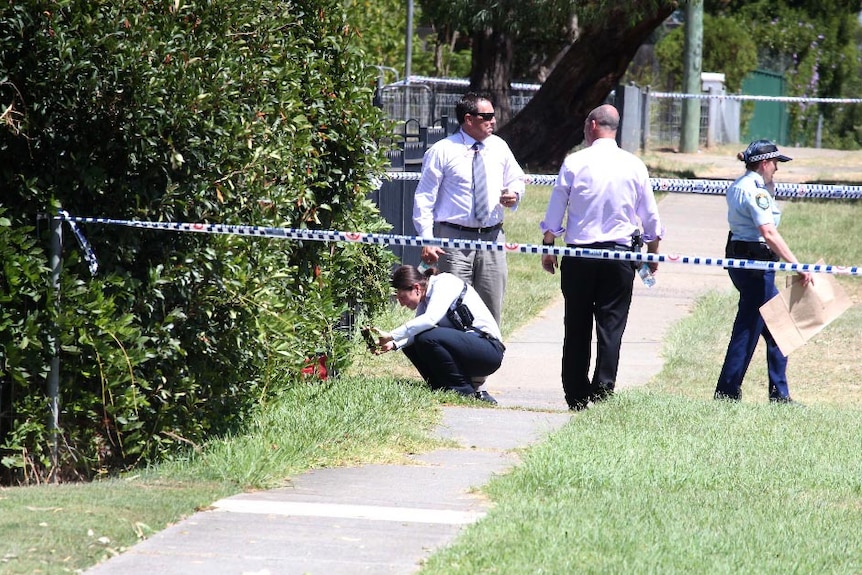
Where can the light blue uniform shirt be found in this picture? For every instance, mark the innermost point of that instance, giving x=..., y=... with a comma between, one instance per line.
x=749, y=206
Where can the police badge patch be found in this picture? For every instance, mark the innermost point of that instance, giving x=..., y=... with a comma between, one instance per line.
x=762, y=201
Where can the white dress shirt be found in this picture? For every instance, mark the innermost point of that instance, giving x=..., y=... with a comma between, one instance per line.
x=603, y=192
x=445, y=190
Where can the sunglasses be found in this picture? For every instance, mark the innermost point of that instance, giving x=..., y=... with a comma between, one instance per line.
x=487, y=116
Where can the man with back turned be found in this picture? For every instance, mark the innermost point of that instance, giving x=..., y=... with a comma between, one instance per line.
x=605, y=196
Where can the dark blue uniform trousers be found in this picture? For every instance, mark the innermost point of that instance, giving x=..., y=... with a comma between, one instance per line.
x=448, y=358
x=755, y=288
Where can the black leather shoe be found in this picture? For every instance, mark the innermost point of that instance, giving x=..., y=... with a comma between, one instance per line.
x=727, y=396
x=483, y=395
x=601, y=394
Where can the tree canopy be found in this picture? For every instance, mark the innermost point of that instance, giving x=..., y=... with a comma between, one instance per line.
x=552, y=122
x=814, y=44
x=728, y=47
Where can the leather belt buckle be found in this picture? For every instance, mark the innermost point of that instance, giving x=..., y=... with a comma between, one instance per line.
x=484, y=230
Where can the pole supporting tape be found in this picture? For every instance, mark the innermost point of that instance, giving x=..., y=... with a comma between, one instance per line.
x=401, y=240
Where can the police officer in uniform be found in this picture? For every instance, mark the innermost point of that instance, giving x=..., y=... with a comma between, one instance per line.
x=753, y=217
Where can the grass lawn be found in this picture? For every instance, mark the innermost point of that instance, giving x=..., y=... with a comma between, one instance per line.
x=665, y=480
x=652, y=482
x=53, y=529
x=658, y=480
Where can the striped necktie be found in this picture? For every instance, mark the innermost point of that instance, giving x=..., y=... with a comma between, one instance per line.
x=480, y=185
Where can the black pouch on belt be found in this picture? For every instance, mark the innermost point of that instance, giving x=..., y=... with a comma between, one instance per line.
x=459, y=314
x=637, y=244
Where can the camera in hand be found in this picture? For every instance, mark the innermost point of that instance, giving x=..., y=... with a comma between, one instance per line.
x=369, y=339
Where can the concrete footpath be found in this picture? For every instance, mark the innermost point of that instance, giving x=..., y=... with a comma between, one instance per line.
x=386, y=519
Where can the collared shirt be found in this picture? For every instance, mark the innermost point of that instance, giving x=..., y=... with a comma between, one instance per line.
x=603, y=191
x=445, y=190
x=443, y=289
x=749, y=206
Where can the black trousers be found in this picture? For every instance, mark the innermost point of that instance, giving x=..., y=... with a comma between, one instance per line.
x=599, y=290
x=448, y=358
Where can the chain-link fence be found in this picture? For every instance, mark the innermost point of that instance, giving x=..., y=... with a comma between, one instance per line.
x=431, y=102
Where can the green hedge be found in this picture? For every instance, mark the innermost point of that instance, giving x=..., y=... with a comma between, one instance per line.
x=220, y=111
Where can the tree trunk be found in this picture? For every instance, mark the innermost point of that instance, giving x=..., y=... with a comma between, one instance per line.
x=491, y=69
x=552, y=123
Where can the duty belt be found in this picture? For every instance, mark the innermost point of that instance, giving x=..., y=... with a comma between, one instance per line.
x=493, y=228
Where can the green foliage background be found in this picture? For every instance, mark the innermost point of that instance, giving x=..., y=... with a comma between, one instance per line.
x=814, y=44
x=728, y=47
x=245, y=112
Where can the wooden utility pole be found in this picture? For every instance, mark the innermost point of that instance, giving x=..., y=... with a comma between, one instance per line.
x=692, y=63
x=408, y=43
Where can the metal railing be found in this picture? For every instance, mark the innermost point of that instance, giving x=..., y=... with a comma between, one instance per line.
x=431, y=102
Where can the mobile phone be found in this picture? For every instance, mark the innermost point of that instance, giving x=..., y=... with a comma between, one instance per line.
x=369, y=339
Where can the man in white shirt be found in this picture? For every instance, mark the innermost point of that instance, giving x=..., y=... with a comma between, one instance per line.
x=604, y=194
x=467, y=180
x=444, y=204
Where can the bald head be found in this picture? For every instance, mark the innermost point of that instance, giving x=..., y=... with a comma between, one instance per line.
x=602, y=122
x=606, y=116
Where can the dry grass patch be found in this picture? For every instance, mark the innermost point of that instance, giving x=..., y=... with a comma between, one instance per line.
x=809, y=165
x=828, y=369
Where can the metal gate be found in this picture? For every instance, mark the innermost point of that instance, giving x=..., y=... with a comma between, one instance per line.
x=770, y=119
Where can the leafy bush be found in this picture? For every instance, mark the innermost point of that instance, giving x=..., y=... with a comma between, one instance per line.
x=23, y=343
x=242, y=112
x=815, y=46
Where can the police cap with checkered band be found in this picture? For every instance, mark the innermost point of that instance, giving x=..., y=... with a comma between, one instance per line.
x=760, y=150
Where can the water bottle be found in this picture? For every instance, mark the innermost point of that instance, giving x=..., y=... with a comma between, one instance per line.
x=646, y=275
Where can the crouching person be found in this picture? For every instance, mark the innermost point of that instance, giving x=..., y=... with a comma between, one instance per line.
x=453, y=336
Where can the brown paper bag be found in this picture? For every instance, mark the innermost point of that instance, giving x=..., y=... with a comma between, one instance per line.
x=798, y=313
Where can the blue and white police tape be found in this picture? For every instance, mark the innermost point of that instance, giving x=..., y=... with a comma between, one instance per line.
x=89, y=254
x=400, y=240
x=532, y=87
x=782, y=190
x=715, y=187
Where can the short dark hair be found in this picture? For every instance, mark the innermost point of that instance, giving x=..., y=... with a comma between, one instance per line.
x=469, y=104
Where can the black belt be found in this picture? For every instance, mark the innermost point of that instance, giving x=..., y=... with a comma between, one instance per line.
x=749, y=250
x=603, y=246
x=493, y=228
